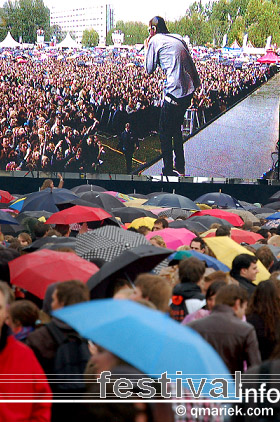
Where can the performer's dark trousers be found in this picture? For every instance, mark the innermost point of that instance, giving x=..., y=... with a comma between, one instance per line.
x=171, y=120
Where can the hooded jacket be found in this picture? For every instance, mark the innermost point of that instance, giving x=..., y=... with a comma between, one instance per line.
x=187, y=298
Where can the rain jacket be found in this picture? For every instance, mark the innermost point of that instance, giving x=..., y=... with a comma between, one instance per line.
x=17, y=358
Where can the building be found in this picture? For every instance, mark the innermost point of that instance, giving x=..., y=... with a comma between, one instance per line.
x=75, y=19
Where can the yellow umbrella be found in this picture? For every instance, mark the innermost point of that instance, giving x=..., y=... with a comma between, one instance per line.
x=143, y=221
x=227, y=249
x=204, y=206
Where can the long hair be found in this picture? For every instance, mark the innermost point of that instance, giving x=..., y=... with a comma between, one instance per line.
x=266, y=303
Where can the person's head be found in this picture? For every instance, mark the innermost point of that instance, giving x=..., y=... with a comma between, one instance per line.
x=214, y=277
x=265, y=233
x=22, y=313
x=157, y=25
x=274, y=240
x=143, y=230
x=223, y=231
x=160, y=224
x=153, y=288
x=5, y=300
x=234, y=296
x=63, y=229
x=265, y=255
x=68, y=293
x=158, y=241
x=211, y=293
x=198, y=244
x=245, y=265
x=191, y=270
x=40, y=229
x=265, y=302
x=127, y=127
x=48, y=183
x=25, y=239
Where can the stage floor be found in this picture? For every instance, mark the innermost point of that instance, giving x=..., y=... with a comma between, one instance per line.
x=238, y=144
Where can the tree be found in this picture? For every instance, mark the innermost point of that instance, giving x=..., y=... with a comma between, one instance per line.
x=24, y=17
x=56, y=30
x=134, y=32
x=262, y=20
x=90, y=38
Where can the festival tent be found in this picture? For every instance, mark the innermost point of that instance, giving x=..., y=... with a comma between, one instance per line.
x=235, y=44
x=269, y=57
x=68, y=42
x=9, y=42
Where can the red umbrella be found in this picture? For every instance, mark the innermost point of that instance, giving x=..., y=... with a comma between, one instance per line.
x=78, y=214
x=5, y=197
x=35, y=271
x=240, y=236
x=234, y=219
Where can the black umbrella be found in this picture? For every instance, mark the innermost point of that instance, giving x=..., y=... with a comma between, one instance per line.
x=152, y=194
x=222, y=200
x=128, y=214
x=262, y=210
x=171, y=200
x=6, y=218
x=12, y=229
x=275, y=197
x=87, y=188
x=274, y=205
x=107, y=242
x=189, y=224
x=53, y=243
x=127, y=265
x=47, y=199
x=100, y=199
x=35, y=214
x=208, y=220
x=175, y=213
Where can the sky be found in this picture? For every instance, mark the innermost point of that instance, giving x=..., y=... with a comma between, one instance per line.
x=140, y=10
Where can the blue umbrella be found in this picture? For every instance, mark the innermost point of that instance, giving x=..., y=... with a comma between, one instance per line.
x=47, y=199
x=5, y=218
x=209, y=260
x=147, y=339
x=172, y=200
x=274, y=216
x=220, y=199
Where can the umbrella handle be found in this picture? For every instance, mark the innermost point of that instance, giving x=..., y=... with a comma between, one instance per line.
x=129, y=280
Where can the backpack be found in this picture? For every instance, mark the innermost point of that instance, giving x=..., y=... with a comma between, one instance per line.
x=178, y=309
x=70, y=360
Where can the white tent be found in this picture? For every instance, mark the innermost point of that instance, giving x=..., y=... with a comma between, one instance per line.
x=9, y=42
x=68, y=42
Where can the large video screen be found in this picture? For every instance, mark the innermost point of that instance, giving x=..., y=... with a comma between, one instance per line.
x=71, y=111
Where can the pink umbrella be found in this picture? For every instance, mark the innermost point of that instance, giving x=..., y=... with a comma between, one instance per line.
x=174, y=237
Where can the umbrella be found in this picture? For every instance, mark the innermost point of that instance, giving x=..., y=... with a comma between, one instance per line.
x=121, y=196
x=34, y=272
x=222, y=200
x=5, y=218
x=174, y=213
x=273, y=205
x=274, y=216
x=246, y=216
x=88, y=188
x=188, y=224
x=246, y=205
x=5, y=197
x=172, y=201
x=152, y=194
x=128, y=214
x=262, y=210
x=11, y=229
x=233, y=219
x=274, y=249
x=143, y=221
x=134, y=332
x=240, y=236
x=78, y=214
x=271, y=224
x=138, y=195
x=47, y=199
x=209, y=260
x=275, y=196
x=127, y=265
x=107, y=242
x=208, y=220
x=34, y=214
x=18, y=204
x=174, y=237
x=50, y=242
x=102, y=200
x=227, y=249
